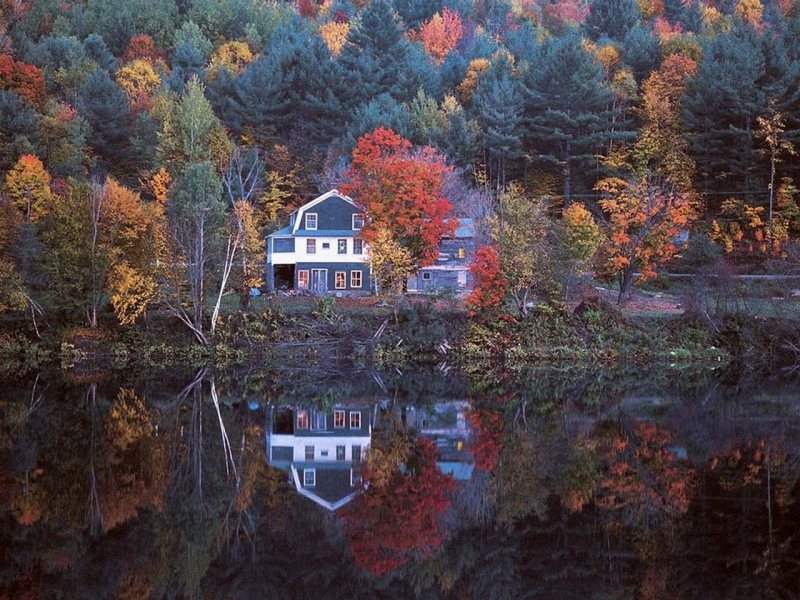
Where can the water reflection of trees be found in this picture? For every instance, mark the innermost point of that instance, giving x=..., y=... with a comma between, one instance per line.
x=585, y=483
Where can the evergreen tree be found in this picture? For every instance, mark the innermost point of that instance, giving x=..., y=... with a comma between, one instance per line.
x=611, y=18
x=383, y=111
x=95, y=48
x=498, y=105
x=720, y=105
x=642, y=51
x=105, y=106
x=19, y=129
x=415, y=12
x=375, y=59
x=566, y=107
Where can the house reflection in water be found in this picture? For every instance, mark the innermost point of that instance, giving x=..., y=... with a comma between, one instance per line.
x=321, y=450
x=445, y=423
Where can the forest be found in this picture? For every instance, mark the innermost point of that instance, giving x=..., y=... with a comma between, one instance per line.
x=147, y=147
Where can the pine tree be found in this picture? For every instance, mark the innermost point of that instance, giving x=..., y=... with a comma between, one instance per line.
x=642, y=51
x=375, y=59
x=566, y=107
x=720, y=105
x=498, y=104
x=105, y=106
x=611, y=18
x=19, y=129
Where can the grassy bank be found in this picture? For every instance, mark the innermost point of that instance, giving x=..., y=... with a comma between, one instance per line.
x=305, y=330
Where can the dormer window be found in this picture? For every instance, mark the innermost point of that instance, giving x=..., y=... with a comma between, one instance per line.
x=358, y=221
x=311, y=221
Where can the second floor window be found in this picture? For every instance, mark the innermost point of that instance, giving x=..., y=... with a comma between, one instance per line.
x=338, y=419
x=342, y=246
x=311, y=221
x=358, y=246
x=355, y=420
x=311, y=246
x=302, y=419
x=358, y=221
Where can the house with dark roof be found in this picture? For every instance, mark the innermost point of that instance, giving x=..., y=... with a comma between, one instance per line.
x=321, y=450
x=445, y=424
x=451, y=269
x=321, y=250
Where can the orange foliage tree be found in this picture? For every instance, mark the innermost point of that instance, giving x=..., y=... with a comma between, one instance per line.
x=440, y=34
x=491, y=286
x=142, y=47
x=645, y=213
x=334, y=34
x=643, y=483
x=390, y=526
x=24, y=79
x=401, y=190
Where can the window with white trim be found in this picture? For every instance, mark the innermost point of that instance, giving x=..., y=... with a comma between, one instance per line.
x=355, y=279
x=355, y=420
x=358, y=246
x=340, y=280
x=355, y=478
x=302, y=419
x=311, y=246
x=309, y=477
x=342, y=246
x=340, y=452
x=302, y=279
x=355, y=453
x=426, y=275
x=311, y=221
x=338, y=419
x=309, y=453
x=358, y=221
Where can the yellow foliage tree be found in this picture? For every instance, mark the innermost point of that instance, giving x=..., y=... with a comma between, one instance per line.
x=467, y=87
x=750, y=11
x=233, y=56
x=391, y=262
x=28, y=186
x=334, y=34
x=139, y=80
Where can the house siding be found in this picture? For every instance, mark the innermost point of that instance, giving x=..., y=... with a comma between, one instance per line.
x=333, y=213
x=332, y=267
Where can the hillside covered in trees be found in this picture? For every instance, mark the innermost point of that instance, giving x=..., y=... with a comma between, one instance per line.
x=146, y=147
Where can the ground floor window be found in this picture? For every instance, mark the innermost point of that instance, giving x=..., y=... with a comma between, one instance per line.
x=355, y=279
x=426, y=276
x=302, y=279
x=340, y=280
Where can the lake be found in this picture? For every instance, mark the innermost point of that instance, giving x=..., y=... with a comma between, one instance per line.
x=329, y=481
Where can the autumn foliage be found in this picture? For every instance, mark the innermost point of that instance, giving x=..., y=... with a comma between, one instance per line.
x=28, y=186
x=487, y=437
x=27, y=81
x=643, y=482
x=389, y=527
x=491, y=286
x=441, y=34
x=401, y=190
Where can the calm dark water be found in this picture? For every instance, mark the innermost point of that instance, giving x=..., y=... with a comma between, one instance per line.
x=344, y=483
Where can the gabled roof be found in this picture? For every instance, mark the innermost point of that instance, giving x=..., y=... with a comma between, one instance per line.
x=319, y=199
x=332, y=489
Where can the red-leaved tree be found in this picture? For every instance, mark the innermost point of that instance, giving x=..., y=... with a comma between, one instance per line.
x=24, y=79
x=389, y=526
x=401, y=190
x=491, y=286
x=487, y=437
x=440, y=34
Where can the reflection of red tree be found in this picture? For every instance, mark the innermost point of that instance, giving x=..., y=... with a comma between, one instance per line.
x=487, y=435
x=389, y=527
x=642, y=477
